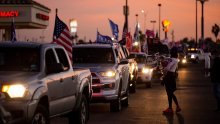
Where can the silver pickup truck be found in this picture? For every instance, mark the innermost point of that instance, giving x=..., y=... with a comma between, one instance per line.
x=110, y=72
x=37, y=82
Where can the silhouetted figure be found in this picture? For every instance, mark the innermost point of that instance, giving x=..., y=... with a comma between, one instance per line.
x=215, y=78
x=170, y=81
x=207, y=56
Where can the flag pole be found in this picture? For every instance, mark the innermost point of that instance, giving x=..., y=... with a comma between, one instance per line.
x=56, y=11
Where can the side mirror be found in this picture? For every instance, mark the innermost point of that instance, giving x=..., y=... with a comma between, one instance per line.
x=124, y=61
x=55, y=68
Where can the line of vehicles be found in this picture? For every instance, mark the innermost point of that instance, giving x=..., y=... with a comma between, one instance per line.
x=39, y=81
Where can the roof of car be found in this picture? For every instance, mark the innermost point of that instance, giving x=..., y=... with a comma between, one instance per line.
x=92, y=46
x=25, y=44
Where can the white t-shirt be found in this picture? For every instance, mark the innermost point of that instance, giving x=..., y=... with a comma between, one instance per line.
x=172, y=65
x=207, y=59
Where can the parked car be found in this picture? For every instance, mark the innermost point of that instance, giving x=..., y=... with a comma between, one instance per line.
x=145, y=70
x=110, y=72
x=37, y=82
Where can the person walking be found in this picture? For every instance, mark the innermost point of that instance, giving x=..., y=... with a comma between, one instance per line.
x=169, y=81
x=215, y=78
x=207, y=56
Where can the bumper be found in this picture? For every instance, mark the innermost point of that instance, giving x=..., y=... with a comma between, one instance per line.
x=17, y=111
x=144, y=77
x=103, y=93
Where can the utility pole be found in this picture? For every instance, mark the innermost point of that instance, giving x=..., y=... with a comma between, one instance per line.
x=159, y=19
x=196, y=26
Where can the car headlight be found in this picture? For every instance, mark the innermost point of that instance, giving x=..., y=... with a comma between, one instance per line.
x=146, y=70
x=14, y=91
x=192, y=56
x=184, y=61
x=107, y=74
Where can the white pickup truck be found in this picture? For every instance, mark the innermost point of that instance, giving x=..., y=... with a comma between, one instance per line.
x=195, y=55
x=110, y=72
x=37, y=82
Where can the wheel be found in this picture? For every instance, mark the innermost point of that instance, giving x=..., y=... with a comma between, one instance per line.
x=124, y=101
x=115, y=105
x=41, y=115
x=132, y=89
x=82, y=114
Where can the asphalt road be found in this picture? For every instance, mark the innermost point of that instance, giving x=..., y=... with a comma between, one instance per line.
x=146, y=105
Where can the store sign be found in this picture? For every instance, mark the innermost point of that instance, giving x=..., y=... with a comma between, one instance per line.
x=13, y=13
x=42, y=17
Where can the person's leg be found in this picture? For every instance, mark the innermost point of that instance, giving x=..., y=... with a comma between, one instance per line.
x=175, y=100
x=169, y=96
x=216, y=90
x=178, y=109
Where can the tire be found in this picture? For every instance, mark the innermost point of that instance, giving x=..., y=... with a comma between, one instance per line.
x=82, y=114
x=115, y=105
x=125, y=100
x=41, y=115
x=132, y=89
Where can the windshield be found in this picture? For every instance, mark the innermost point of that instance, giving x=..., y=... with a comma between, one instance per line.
x=161, y=49
x=139, y=58
x=19, y=59
x=93, y=55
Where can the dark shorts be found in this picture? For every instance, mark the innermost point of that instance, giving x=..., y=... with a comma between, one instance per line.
x=170, y=81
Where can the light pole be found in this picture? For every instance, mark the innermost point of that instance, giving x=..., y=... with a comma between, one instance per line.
x=145, y=15
x=126, y=13
x=196, y=26
x=73, y=30
x=159, y=19
x=202, y=19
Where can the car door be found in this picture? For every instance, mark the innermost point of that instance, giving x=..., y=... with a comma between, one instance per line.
x=54, y=84
x=69, y=81
x=124, y=70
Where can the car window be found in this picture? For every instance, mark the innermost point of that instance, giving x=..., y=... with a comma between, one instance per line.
x=50, y=58
x=18, y=59
x=62, y=58
x=93, y=55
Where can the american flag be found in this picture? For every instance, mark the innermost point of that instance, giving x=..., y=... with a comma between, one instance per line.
x=125, y=31
x=124, y=34
x=61, y=36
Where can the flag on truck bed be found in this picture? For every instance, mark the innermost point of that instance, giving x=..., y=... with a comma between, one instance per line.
x=103, y=39
x=114, y=28
x=61, y=36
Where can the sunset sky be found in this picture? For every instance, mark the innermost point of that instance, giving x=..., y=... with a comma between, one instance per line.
x=93, y=14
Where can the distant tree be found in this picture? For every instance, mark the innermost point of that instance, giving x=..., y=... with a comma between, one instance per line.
x=81, y=41
x=215, y=30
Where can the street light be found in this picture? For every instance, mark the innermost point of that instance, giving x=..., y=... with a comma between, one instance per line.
x=196, y=26
x=73, y=29
x=126, y=13
x=159, y=19
x=145, y=15
x=202, y=19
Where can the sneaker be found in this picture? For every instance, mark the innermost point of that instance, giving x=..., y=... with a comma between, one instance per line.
x=168, y=110
x=178, y=109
